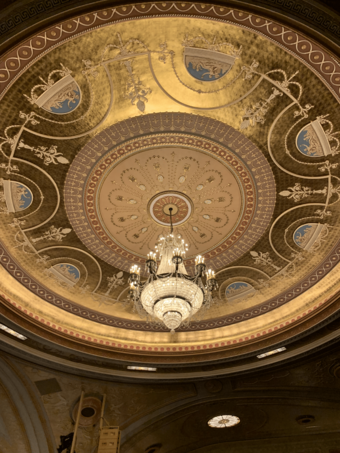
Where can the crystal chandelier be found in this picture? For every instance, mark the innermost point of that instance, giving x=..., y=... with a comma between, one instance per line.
x=169, y=294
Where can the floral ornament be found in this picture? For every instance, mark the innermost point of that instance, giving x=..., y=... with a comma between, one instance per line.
x=211, y=45
x=299, y=192
x=53, y=234
x=323, y=213
x=303, y=111
x=115, y=281
x=17, y=223
x=256, y=114
x=9, y=168
x=49, y=155
x=163, y=52
x=90, y=68
x=249, y=71
x=43, y=259
x=262, y=283
x=290, y=269
x=263, y=259
x=136, y=91
x=9, y=142
x=327, y=166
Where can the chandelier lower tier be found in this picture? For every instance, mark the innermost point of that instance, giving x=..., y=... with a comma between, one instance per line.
x=169, y=294
x=172, y=299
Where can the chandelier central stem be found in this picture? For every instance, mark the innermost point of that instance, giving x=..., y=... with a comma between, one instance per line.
x=171, y=226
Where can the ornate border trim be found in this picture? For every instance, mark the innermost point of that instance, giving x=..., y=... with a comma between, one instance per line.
x=312, y=54
x=166, y=349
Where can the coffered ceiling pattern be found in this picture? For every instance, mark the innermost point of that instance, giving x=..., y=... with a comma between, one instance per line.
x=110, y=117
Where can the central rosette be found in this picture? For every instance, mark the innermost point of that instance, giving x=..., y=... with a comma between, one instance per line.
x=160, y=205
x=211, y=189
x=207, y=198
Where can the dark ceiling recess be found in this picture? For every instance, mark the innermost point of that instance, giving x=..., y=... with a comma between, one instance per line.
x=305, y=419
x=153, y=448
x=48, y=386
x=87, y=412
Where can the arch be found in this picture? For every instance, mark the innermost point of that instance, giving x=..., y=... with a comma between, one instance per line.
x=26, y=409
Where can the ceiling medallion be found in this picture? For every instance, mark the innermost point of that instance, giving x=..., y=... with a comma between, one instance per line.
x=169, y=294
x=224, y=421
x=181, y=205
x=219, y=187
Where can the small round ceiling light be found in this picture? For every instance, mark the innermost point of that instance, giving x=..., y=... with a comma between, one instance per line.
x=223, y=421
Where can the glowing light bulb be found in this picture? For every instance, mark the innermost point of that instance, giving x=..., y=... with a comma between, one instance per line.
x=134, y=269
x=210, y=274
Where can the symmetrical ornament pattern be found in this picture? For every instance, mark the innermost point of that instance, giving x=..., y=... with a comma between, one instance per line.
x=213, y=215
x=88, y=195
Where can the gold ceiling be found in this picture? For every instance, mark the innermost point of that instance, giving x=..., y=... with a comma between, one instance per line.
x=230, y=118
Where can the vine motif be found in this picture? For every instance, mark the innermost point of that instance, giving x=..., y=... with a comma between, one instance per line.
x=190, y=42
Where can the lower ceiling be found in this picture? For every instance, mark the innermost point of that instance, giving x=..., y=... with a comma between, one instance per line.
x=293, y=408
x=114, y=114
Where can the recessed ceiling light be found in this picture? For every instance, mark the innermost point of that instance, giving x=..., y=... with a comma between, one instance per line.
x=274, y=351
x=141, y=368
x=223, y=421
x=12, y=332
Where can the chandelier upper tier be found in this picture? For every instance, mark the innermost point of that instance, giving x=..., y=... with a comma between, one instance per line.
x=170, y=295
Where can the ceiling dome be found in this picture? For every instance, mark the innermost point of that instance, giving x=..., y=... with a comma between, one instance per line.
x=113, y=117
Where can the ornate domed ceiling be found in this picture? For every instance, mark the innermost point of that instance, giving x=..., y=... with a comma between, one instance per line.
x=110, y=118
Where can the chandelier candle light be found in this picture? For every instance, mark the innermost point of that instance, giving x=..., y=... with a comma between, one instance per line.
x=169, y=294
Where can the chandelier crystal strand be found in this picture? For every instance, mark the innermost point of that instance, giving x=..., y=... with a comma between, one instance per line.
x=170, y=295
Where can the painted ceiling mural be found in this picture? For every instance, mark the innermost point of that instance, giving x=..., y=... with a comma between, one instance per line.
x=234, y=122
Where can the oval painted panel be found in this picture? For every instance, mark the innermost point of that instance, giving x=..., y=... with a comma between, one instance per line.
x=17, y=196
x=238, y=290
x=68, y=272
x=308, y=143
x=304, y=234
